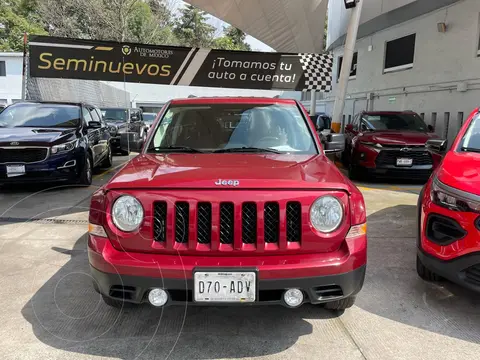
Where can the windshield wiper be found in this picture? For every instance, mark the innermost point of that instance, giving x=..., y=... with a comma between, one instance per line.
x=247, y=150
x=475, y=150
x=175, y=149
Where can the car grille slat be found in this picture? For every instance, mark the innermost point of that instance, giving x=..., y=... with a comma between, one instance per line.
x=216, y=222
x=294, y=221
x=22, y=155
x=204, y=223
x=160, y=221
x=226, y=223
x=271, y=217
x=389, y=157
x=249, y=223
x=181, y=222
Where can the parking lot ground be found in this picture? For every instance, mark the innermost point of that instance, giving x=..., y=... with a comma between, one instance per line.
x=49, y=309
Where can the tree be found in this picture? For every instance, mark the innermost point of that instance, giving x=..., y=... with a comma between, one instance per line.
x=192, y=28
x=117, y=20
x=16, y=18
x=233, y=39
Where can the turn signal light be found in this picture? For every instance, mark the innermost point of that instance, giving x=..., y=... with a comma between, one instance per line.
x=96, y=230
x=357, y=230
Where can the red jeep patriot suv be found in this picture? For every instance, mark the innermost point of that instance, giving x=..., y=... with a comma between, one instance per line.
x=231, y=201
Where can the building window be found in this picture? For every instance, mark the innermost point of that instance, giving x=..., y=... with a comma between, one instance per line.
x=3, y=70
x=353, y=70
x=400, y=53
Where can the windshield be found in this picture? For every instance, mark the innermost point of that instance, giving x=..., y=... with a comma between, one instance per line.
x=471, y=139
x=115, y=114
x=407, y=122
x=149, y=118
x=40, y=115
x=218, y=127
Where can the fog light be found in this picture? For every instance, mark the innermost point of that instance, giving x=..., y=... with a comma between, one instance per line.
x=293, y=297
x=158, y=297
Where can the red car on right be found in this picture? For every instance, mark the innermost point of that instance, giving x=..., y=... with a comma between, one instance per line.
x=449, y=211
x=388, y=144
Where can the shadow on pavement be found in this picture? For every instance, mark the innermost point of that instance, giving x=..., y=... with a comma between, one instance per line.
x=66, y=313
x=394, y=291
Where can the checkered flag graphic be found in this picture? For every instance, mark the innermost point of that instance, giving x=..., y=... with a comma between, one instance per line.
x=318, y=71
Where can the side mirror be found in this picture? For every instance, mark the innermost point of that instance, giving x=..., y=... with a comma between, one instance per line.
x=334, y=143
x=349, y=127
x=430, y=129
x=437, y=145
x=94, y=125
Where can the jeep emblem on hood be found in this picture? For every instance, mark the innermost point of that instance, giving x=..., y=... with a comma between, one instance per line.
x=221, y=182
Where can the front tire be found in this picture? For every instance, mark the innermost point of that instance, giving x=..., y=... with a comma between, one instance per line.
x=108, y=162
x=87, y=172
x=341, y=304
x=426, y=274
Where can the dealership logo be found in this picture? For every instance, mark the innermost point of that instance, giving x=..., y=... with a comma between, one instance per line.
x=126, y=50
x=14, y=143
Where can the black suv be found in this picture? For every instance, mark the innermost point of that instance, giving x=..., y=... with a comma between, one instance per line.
x=127, y=128
x=52, y=141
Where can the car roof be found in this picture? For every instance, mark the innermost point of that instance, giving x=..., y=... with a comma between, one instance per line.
x=233, y=100
x=387, y=112
x=52, y=102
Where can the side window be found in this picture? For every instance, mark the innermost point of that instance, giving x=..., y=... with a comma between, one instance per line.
x=86, y=116
x=363, y=124
x=100, y=116
x=355, y=122
x=94, y=115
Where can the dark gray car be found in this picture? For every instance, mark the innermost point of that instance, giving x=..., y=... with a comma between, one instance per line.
x=127, y=128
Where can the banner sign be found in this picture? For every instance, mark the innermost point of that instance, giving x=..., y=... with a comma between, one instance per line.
x=52, y=57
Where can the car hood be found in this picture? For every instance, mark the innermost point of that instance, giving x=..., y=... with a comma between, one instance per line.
x=35, y=136
x=257, y=171
x=461, y=170
x=398, y=137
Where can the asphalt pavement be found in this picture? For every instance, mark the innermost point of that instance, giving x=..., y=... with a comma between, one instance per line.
x=49, y=310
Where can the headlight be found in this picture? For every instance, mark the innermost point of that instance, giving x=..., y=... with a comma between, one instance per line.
x=326, y=214
x=368, y=143
x=452, y=199
x=127, y=213
x=64, y=147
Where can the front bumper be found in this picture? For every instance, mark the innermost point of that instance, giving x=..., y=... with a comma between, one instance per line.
x=58, y=168
x=317, y=290
x=413, y=172
x=464, y=270
x=322, y=277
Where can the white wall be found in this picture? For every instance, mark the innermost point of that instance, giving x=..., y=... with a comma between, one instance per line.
x=371, y=9
x=442, y=62
x=11, y=85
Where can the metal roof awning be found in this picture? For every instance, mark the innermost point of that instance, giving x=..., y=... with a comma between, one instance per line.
x=284, y=25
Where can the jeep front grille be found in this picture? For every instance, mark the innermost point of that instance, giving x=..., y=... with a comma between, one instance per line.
x=181, y=222
x=226, y=223
x=219, y=220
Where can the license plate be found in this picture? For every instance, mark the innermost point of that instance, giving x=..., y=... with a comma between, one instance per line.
x=15, y=170
x=234, y=287
x=404, y=162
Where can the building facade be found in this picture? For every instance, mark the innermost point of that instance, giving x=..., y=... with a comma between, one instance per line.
x=419, y=55
x=11, y=65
